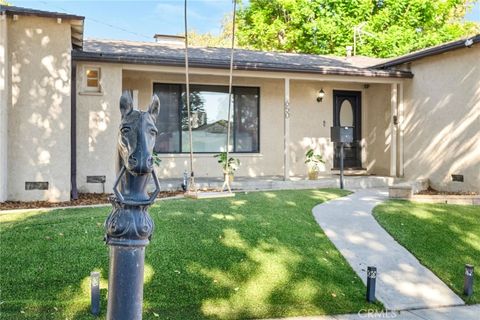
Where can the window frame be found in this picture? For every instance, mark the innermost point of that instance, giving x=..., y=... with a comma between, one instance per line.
x=88, y=89
x=233, y=132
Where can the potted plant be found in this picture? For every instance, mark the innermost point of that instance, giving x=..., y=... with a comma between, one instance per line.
x=313, y=160
x=229, y=167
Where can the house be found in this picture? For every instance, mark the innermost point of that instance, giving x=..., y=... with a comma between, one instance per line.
x=415, y=116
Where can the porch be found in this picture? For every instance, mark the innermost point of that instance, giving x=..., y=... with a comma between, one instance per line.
x=289, y=122
x=279, y=183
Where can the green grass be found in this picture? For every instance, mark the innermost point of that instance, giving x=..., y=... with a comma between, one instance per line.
x=253, y=256
x=443, y=237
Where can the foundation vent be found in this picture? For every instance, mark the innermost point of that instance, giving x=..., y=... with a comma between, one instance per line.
x=457, y=177
x=36, y=185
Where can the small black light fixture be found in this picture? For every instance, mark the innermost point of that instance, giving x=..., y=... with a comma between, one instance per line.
x=321, y=95
x=468, y=280
x=371, y=282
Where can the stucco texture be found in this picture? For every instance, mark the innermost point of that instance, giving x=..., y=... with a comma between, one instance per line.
x=442, y=120
x=98, y=119
x=39, y=109
x=4, y=106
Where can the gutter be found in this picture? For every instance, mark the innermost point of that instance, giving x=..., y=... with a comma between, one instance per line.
x=219, y=64
x=463, y=43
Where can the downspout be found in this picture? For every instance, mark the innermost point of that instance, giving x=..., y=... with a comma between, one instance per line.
x=73, y=133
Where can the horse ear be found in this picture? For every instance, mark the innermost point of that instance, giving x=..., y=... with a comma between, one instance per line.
x=154, y=108
x=126, y=103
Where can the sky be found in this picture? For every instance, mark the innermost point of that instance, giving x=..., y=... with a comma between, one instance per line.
x=140, y=20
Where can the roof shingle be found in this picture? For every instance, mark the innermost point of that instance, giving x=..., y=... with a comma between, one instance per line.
x=153, y=53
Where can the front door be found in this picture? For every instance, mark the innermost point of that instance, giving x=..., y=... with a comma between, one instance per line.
x=347, y=113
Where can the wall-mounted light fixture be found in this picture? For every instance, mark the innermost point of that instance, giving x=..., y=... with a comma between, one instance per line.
x=321, y=95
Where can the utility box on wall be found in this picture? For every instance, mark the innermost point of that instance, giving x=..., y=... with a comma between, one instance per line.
x=341, y=134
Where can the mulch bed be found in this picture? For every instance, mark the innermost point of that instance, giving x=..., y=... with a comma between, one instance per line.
x=83, y=199
x=432, y=192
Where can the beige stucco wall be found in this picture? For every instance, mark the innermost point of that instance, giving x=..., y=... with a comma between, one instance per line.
x=376, y=120
x=442, y=120
x=98, y=119
x=39, y=109
x=4, y=105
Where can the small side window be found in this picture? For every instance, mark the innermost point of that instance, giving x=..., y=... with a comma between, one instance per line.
x=92, y=79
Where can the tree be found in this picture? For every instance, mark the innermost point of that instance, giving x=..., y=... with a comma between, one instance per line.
x=386, y=27
x=223, y=40
x=197, y=105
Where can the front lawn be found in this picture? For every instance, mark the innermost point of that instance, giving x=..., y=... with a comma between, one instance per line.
x=443, y=237
x=257, y=255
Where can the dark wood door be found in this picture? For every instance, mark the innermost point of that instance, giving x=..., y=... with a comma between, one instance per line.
x=347, y=112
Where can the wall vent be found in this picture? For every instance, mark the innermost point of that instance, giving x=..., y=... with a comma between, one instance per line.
x=457, y=177
x=96, y=179
x=36, y=185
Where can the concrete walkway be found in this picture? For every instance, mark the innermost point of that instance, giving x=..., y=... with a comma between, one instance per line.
x=402, y=282
x=449, y=313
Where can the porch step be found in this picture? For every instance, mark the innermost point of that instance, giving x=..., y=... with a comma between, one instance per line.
x=406, y=190
x=351, y=172
x=277, y=183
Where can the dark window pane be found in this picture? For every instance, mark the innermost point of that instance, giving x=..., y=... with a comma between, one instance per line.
x=209, y=113
x=246, y=119
x=168, y=121
x=209, y=110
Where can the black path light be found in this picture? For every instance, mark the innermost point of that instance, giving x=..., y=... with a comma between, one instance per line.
x=129, y=226
x=371, y=281
x=468, y=281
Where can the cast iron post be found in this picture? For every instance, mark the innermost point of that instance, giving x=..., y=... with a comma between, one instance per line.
x=129, y=227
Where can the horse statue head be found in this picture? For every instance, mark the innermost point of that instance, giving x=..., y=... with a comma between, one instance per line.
x=136, y=139
x=129, y=223
x=137, y=135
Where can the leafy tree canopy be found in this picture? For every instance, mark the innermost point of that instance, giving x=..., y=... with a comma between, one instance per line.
x=224, y=39
x=385, y=28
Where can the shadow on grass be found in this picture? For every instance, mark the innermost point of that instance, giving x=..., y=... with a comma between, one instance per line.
x=443, y=237
x=253, y=256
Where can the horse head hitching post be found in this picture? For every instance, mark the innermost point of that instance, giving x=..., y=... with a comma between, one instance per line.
x=129, y=227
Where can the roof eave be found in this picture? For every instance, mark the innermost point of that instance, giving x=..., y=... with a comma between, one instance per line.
x=10, y=10
x=131, y=59
x=463, y=43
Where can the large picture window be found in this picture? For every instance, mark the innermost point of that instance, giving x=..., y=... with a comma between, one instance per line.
x=209, y=112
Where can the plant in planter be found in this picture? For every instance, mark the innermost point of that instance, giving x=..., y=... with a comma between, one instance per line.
x=313, y=161
x=229, y=167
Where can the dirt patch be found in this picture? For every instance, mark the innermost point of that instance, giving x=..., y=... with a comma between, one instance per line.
x=83, y=199
x=432, y=192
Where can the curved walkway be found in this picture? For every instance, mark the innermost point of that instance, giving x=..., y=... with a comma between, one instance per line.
x=402, y=282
